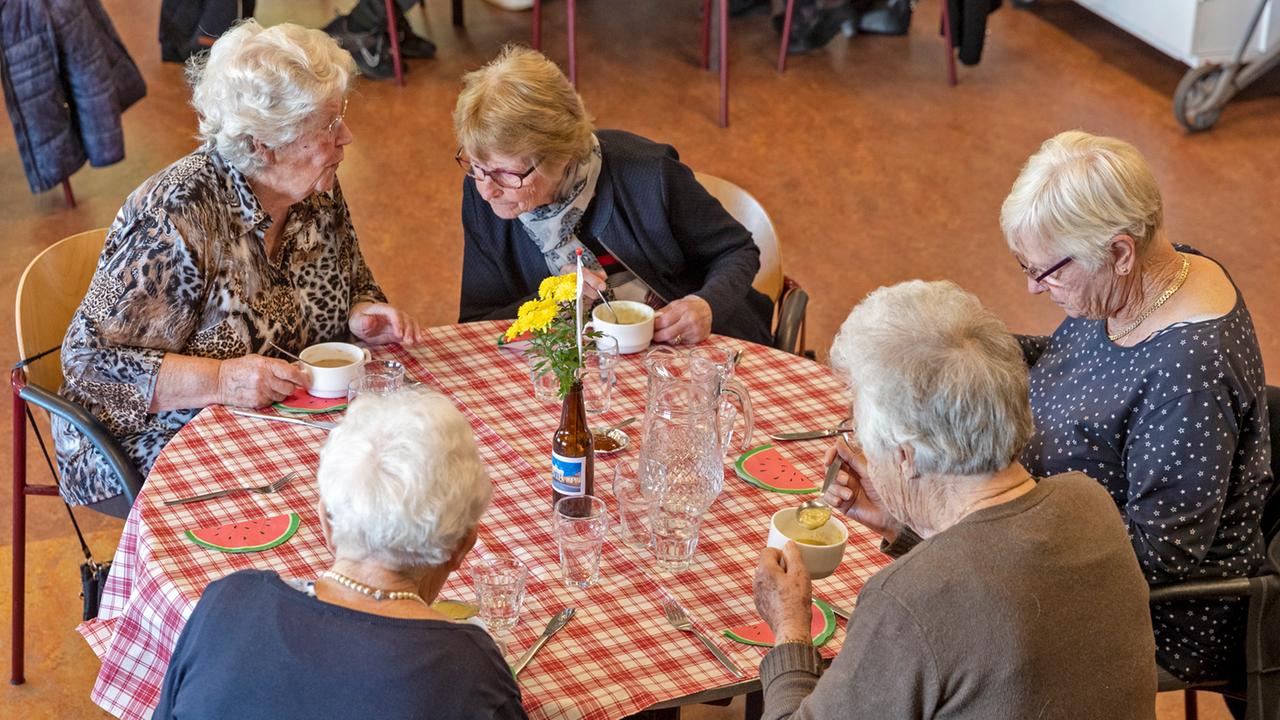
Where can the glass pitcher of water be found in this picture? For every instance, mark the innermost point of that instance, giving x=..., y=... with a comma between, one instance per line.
x=684, y=439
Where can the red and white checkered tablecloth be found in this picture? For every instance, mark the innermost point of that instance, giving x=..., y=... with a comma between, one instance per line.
x=616, y=657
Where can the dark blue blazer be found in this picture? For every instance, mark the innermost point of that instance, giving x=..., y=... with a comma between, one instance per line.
x=67, y=78
x=648, y=211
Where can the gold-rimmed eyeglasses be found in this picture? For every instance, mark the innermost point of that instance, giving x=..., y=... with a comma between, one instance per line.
x=332, y=128
x=848, y=432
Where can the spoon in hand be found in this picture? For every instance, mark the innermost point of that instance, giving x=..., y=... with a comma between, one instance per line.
x=286, y=352
x=813, y=514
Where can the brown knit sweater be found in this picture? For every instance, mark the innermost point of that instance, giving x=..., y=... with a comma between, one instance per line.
x=1035, y=608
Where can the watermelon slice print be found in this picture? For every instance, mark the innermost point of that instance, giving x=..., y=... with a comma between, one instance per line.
x=764, y=467
x=822, y=625
x=303, y=402
x=247, y=537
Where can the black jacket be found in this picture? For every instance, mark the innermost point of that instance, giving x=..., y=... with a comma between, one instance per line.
x=969, y=27
x=67, y=79
x=652, y=215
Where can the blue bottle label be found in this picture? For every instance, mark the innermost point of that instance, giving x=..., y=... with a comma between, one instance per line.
x=566, y=474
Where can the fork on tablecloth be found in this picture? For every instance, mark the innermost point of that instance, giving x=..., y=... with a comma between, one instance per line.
x=679, y=619
x=265, y=490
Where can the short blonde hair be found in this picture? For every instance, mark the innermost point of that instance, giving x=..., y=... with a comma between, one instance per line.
x=1077, y=192
x=520, y=104
x=401, y=479
x=265, y=84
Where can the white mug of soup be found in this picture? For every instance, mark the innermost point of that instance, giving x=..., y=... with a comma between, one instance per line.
x=628, y=322
x=330, y=367
x=821, y=549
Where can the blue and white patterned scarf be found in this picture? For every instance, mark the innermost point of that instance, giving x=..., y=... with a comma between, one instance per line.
x=554, y=227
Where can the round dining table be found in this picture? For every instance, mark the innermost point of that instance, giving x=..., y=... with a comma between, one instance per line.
x=619, y=655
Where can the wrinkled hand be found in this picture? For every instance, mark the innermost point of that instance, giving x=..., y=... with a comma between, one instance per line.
x=684, y=322
x=380, y=323
x=593, y=281
x=255, y=381
x=783, y=592
x=852, y=495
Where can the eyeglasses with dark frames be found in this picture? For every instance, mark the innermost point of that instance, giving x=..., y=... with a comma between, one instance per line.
x=509, y=179
x=1039, y=277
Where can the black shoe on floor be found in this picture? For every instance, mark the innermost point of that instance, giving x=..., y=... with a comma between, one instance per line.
x=417, y=47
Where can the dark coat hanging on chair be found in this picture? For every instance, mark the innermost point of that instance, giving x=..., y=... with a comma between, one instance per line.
x=969, y=26
x=67, y=79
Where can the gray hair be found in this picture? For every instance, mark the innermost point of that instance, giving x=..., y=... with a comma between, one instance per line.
x=402, y=480
x=931, y=368
x=1077, y=192
x=265, y=84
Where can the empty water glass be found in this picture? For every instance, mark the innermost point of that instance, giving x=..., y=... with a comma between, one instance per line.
x=598, y=376
x=675, y=519
x=499, y=581
x=377, y=377
x=546, y=386
x=389, y=372
x=582, y=521
x=633, y=507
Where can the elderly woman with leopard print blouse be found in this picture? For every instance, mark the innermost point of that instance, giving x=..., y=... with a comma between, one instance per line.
x=245, y=243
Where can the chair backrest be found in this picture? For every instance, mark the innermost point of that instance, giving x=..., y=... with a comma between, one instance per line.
x=1271, y=506
x=747, y=210
x=49, y=292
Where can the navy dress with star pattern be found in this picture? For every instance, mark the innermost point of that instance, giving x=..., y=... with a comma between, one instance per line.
x=1175, y=428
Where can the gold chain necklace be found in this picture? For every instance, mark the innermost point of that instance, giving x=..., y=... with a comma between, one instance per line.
x=1168, y=293
x=375, y=593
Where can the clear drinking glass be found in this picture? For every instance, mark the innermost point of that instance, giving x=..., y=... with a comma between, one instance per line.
x=377, y=377
x=499, y=581
x=582, y=521
x=676, y=518
x=546, y=387
x=598, y=378
x=633, y=506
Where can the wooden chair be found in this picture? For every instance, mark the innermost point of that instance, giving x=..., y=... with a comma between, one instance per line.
x=1260, y=685
x=790, y=301
x=571, y=18
x=49, y=292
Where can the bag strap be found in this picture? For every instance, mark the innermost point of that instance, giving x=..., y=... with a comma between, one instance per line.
x=88, y=555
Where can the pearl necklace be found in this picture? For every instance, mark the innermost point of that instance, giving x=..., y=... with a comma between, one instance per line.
x=376, y=593
x=1168, y=293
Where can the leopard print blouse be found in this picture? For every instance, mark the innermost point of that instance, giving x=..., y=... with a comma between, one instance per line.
x=184, y=270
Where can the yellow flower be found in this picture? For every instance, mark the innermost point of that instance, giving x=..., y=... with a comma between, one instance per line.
x=543, y=315
x=559, y=288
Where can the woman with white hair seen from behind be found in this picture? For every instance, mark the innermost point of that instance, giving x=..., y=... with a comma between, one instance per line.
x=1022, y=600
x=402, y=490
x=1153, y=385
x=243, y=246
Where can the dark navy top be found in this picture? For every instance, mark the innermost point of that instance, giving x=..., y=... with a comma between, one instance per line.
x=1175, y=428
x=255, y=647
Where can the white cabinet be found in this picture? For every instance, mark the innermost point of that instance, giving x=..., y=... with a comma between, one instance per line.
x=1193, y=31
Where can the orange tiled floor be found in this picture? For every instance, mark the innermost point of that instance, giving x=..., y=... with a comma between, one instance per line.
x=873, y=170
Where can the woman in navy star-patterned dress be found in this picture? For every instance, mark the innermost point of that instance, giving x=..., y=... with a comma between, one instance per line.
x=1153, y=385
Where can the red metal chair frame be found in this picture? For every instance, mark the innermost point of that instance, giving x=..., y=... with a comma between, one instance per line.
x=571, y=18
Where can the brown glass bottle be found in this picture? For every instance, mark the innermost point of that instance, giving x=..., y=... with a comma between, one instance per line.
x=572, y=450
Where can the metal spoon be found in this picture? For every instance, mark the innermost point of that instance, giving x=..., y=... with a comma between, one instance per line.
x=622, y=424
x=813, y=514
x=286, y=352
